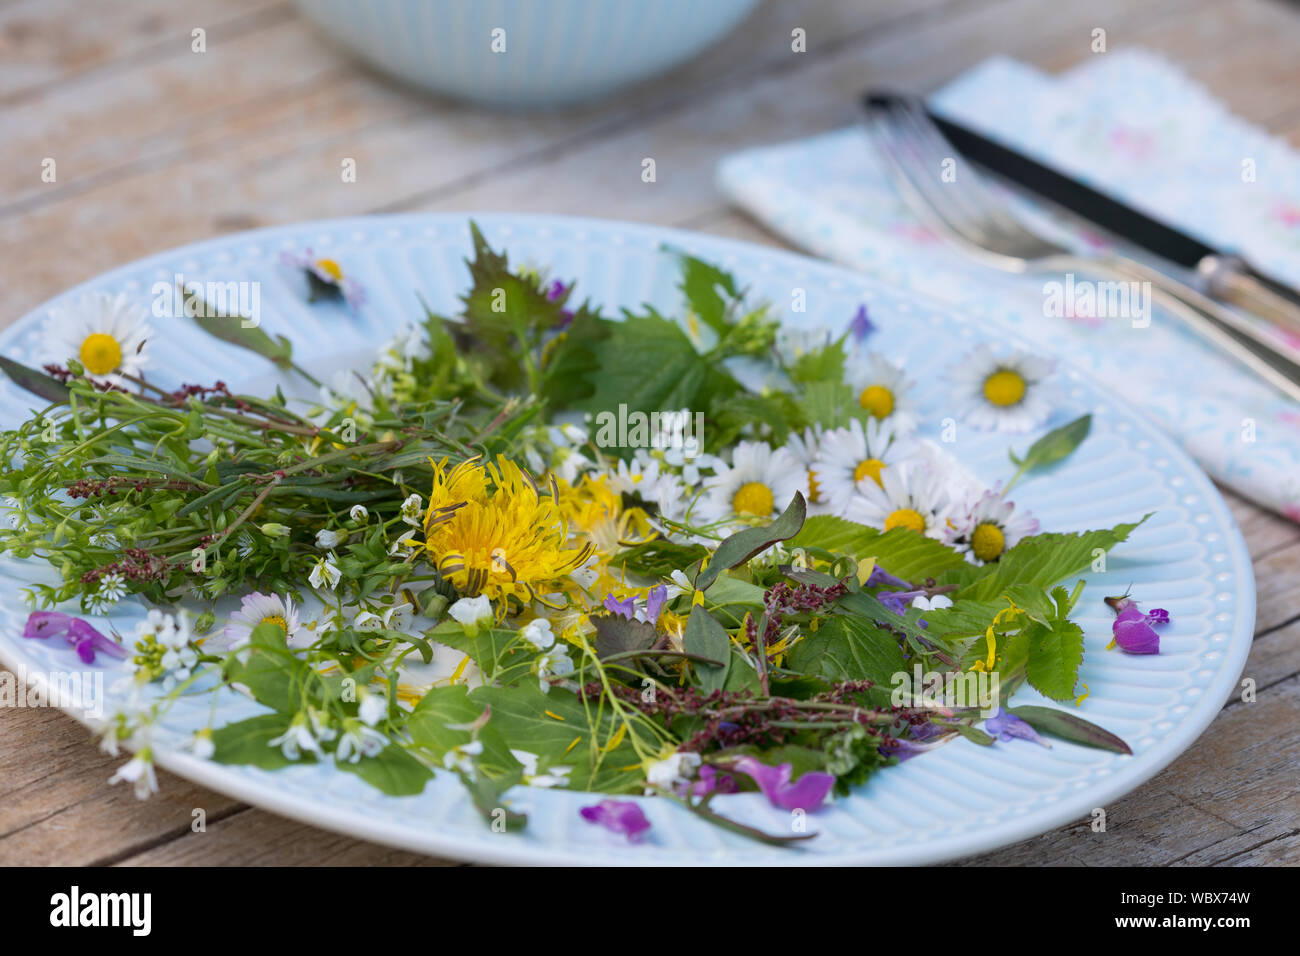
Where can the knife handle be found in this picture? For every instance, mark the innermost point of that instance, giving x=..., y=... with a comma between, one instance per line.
x=1230, y=279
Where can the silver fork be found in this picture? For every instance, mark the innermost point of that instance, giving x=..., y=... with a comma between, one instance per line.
x=967, y=212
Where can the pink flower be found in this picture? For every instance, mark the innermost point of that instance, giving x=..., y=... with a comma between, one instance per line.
x=807, y=793
x=619, y=816
x=1133, y=630
x=83, y=637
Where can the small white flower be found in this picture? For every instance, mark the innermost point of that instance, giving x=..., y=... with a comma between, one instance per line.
x=472, y=613
x=677, y=768
x=326, y=539
x=368, y=621
x=537, y=632
x=553, y=777
x=403, y=544
x=326, y=573
x=359, y=741
x=553, y=663
x=935, y=603
x=1003, y=393
x=140, y=772
x=411, y=508
x=297, y=738
x=358, y=513
x=201, y=744
x=371, y=707
x=462, y=758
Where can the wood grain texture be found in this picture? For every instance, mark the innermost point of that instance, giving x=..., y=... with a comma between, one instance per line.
x=157, y=145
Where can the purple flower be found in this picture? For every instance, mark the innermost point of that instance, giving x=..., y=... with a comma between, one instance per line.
x=620, y=816
x=807, y=793
x=880, y=576
x=861, y=326
x=80, y=635
x=1133, y=630
x=626, y=608
x=710, y=780
x=1007, y=726
x=556, y=290
x=899, y=601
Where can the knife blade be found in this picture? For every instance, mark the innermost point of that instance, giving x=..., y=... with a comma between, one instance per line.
x=1227, y=277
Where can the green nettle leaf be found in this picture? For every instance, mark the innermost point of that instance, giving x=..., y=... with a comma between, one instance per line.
x=1044, y=559
x=571, y=362
x=832, y=404
x=440, y=722
x=825, y=364
x=649, y=365
x=743, y=545
x=558, y=728
x=849, y=648
x=618, y=635
x=707, y=638
x=1055, y=653
x=392, y=770
x=734, y=413
x=1069, y=727
x=1056, y=445
x=700, y=284
x=902, y=552
x=249, y=742
x=38, y=383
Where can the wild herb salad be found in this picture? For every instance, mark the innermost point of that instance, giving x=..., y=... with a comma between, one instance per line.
x=534, y=543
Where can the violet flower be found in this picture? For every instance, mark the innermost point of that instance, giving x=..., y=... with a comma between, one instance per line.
x=861, y=326
x=1133, y=630
x=619, y=816
x=80, y=635
x=710, y=781
x=1007, y=726
x=627, y=608
x=880, y=576
x=806, y=793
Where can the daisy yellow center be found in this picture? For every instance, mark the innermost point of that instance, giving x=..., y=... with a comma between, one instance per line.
x=869, y=468
x=905, y=518
x=877, y=400
x=100, y=353
x=987, y=542
x=814, y=489
x=1004, y=387
x=330, y=268
x=753, y=498
x=277, y=620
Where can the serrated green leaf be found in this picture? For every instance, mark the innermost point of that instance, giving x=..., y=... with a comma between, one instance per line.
x=1055, y=653
x=901, y=551
x=849, y=648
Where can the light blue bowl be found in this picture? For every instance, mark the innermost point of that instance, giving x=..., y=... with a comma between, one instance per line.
x=556, y=51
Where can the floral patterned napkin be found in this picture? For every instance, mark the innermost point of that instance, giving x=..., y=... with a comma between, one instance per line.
x=1130, y=124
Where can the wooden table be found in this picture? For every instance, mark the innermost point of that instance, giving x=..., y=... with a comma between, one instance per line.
x=156, y=145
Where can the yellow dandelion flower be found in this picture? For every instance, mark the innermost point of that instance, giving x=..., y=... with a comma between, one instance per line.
x=489, y=530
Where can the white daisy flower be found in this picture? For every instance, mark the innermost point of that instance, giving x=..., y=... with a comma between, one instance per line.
x=883, y=392
x=909, y=495
x=258, y=608
x=106, y=334
x=759, y=483
x=806, y=448
x=1002, y=393
x=986, y=529
x=850, y=458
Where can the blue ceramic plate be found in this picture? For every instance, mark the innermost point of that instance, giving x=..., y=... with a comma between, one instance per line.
x=957, y=800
